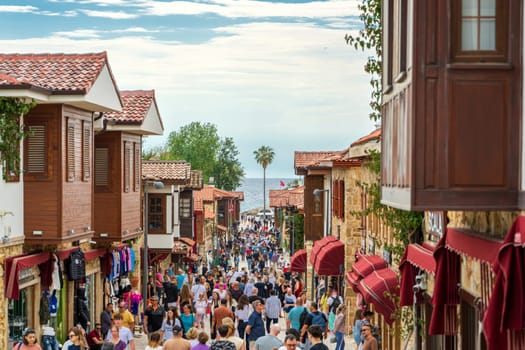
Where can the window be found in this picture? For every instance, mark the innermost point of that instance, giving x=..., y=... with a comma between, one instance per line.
x=127, y=166
x=338, y=199
x=102, y=166
x=480, y=30
x=155, y=213
x=36, y=150
x=185, y=208
x=86, y=148
x=70, y=151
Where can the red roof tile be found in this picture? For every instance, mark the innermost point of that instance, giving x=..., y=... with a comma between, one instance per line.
x=374, y=135
x=136, y=105
x=205, y=194
x=293, y=197
x=166, y=170
x=306, y=159
x=58, y=73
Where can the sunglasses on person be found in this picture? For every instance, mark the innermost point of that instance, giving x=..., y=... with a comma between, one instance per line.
x=72, y=335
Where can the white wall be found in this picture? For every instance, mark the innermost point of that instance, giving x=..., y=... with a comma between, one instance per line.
x=12, y=200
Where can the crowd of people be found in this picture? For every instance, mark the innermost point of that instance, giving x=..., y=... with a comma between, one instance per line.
x=225, y=305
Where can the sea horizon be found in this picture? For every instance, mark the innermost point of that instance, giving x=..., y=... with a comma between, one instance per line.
x=253, y=188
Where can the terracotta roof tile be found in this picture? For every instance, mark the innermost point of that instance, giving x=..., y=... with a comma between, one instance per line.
x=293, y=197
x=166, y=170
x=306, y=159
x=373, y=136
x=136, y=105
x=58, y=73
x=197, y=204
x=218, y=193
x=205, y=194
x=195, y=179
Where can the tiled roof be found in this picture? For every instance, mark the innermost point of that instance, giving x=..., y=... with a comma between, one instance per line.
x=6, y=79
x=373, y=136
x=218, y=193
x=197, y=204
x=293, y=197
x=136, y=105
x=205, y=194
x=306, y=159
x=166, y=170
x=195, y=180
x=57, y=73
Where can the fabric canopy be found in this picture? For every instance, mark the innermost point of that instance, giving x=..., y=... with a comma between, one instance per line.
x=222, y=228
x=462, y=242
x=330, y=260
x=298, y=261
x=415, y=258
x=190, y=242
x=13, y=265
x=381, y=288
x=505, y=316
x=318, y=246
x=362, y=268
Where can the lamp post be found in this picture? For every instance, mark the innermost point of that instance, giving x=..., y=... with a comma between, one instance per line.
x=145, y=260
x=317, y=192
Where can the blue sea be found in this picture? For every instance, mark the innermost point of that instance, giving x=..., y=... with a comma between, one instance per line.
x=253, y=191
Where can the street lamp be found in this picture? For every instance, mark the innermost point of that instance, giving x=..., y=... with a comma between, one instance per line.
x=317, y=192
x=145, y=260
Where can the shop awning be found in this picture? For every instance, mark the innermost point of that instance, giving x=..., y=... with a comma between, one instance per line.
x=298, y=261
x=13, y=265
x=465, y=243
x=190, y=242
x=505, y=318
x=190, y=258
x=381, y=288
x=363, y=267
x=318, y=247
x=415, y=258
x=94, y=253
x=330, y=259
x=222, y=228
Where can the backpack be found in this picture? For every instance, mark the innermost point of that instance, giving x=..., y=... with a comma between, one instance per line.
x=335, y=303
x=319, y=319
x=302, y=317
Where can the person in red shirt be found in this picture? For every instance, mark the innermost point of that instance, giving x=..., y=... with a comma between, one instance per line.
x=94, y=338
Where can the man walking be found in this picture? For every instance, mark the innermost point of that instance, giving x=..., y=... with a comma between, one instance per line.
x=273, y=310
x=106, y=319
x=255, y=327
x=370, y=341
x=315, y=334
x=153, y=316
x=176, y=343
x=269, y=341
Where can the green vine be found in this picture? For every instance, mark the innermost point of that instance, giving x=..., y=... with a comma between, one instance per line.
x=11, y=133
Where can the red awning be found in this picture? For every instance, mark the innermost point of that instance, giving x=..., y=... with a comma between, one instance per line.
x=94, y=253
x=381, y=288
x=298, y=261
x=318, y=246
x=190, y=242
x=13, y=265
x=505, y=316
x=421, y=257
x=462, y=242
x=330, y=259
x=363, y=267
x=222, y=228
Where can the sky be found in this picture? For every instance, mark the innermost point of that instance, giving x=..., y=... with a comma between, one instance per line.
x=272, y=73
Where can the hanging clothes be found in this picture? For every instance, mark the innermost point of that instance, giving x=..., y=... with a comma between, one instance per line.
x=44, y=308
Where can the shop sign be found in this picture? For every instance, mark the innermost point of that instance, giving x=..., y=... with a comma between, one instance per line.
x=435, y=225
x=387, y=256
x=26, y=275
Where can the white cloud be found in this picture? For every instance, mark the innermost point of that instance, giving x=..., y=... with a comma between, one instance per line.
x=78, y=34
x=109, y=14
x=19, y=9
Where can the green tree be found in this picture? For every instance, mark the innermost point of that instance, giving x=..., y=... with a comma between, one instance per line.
x=264, y=157
x=197, y=144
x=370, y=38
x=156, y=153
x=228, y=170
x=12, y=132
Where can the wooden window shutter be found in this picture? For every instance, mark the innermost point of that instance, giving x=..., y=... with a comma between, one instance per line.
x=334, y=199
x=342, y=199
x=137, y=164
x=101, y=166
x=86, y=150
x=70, y=151
x=36, y=150
x=127, y=166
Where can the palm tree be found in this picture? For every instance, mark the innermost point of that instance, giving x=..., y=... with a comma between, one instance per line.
x=264, y=156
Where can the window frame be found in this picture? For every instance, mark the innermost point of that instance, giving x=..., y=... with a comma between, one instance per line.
x=86, y=151
x=105, y=187
x=152, y=216
x=70, y=150
x=500, y=54
x=45, y=173
x=127, y=171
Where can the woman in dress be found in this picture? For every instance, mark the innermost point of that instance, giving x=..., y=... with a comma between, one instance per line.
x=200, y=309
x=172, y=319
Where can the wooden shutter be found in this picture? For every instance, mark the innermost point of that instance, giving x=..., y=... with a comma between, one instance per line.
x=342, y=199
x=127, y=166
x=102, y=166
x=335, y=198
x=86, y=149
x=70, y=151
x=137, y=164
x=36, y=155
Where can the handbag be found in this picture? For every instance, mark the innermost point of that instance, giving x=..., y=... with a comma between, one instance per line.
x=333, y=339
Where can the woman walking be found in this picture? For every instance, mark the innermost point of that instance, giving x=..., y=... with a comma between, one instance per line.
x=340, y=327
x=76, y=340
x=29, y=341
x=242, y=314
x=172, y=319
